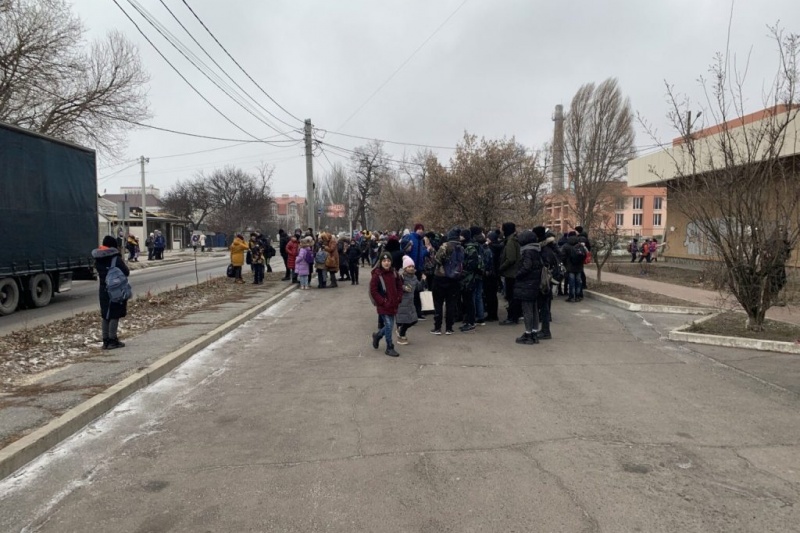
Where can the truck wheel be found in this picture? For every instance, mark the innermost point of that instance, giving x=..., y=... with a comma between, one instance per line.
x=9, y=296
x=40, y=288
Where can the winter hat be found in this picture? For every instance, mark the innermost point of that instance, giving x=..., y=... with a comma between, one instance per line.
x=384, y=255
x=109, y=241
x=540, y=232
x=475, y=230
x=419, y=226
x=454, y=234
x=579, y=229
x=527, y=237
x=408, y=262
x=509, y=228
x=480, y=238
x=493, y=236
x=466, y=234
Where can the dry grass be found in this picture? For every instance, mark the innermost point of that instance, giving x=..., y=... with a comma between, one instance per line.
x=732, y=324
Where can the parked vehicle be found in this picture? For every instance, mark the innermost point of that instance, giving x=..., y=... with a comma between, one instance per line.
x=48, y=217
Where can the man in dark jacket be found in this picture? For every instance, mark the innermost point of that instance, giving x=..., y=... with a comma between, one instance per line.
x=283, y=240
x=446, y=289
x=527, y=289
x=573, y=254
x=549, y=255
x=110, y=311
x=491, y=281
x=472, y=261
x=508, y=270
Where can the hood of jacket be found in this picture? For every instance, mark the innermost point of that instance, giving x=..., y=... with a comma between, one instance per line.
x=527, y=237
x=104, y=251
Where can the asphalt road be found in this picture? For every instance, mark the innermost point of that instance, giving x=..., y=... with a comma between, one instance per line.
x=83, y=296
x=293, y=423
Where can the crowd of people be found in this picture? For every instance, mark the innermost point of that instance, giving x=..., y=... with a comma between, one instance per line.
x=466, y=270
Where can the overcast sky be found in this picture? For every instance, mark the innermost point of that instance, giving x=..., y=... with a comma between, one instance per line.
x=495, y=68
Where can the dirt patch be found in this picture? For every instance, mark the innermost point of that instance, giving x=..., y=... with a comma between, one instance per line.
x=733, y=325
x=59, y=343
x=636, y=296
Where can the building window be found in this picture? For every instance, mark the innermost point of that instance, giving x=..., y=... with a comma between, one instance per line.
x=638, y=203
x=620, y=219
x=637, y=219
x=657, y=219
x=273, y=210
x=620, y=203
x=293, y=210
x=657, y=201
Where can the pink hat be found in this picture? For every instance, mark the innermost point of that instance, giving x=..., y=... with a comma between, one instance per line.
x=407, y=261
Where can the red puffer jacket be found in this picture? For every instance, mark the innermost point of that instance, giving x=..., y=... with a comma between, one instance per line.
x=389, y=302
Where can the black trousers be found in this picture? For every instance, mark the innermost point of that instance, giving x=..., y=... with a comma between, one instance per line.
x=354, y=271
x=417, y=299
x=285, y=258
x=446, y=293
x=490, y=303
x=514, y=306
x=468, y=305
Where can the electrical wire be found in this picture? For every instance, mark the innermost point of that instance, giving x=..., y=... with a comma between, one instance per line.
x=237, y=63
x=220, y=67
x=384, y=140
x=104, y=178
x=194, y=60
x=178, y=72
x=403, y=64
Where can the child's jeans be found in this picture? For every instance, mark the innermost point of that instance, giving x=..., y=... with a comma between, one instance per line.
x=303, y=280
x=388, y=326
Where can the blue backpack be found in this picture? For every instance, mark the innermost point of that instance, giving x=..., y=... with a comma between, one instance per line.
x=117, y=286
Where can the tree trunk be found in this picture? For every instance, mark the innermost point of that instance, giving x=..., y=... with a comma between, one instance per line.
x=599, y=273
x=755, y=319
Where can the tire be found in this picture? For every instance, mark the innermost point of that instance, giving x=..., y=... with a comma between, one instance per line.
x=9, y=296
x=40, y=289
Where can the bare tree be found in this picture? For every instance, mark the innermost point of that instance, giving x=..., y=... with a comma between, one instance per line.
x=740, y=186
x=190, y=199
x=399, y=201
x=368, y=164
x=599, y=140
x=240, y=199
x=488, y=181
x=51, y=84
x=335, y=191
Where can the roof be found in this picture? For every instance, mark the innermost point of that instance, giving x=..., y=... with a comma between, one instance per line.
x=284, y=201
x=134, y=200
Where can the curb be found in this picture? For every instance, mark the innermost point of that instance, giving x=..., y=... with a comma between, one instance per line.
x=681, y=335
x=21, y=452
x=649, y=308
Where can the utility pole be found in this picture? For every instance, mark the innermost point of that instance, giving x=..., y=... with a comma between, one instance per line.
x=142, y=161
x=311, y=204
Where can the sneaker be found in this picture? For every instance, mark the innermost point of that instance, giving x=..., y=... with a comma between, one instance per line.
x=376, y=339
x=402, y=340
x=508, y=322
x=436, y=331
x=481, y=322
x=448, y=332
x=391, y=353
x=420, y=318
x=544, y=335
x=466, y=328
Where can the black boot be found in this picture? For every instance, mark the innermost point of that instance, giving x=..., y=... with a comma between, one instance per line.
x=390, y=351
x=545, y=332
x=115, y=343
x=376, y=339
x=527, y=338
x=105, y=343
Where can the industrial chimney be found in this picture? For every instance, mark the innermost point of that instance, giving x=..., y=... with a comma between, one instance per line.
x=558, y=150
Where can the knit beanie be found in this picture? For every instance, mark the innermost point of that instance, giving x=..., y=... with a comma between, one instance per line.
x=509, y=228
x=453, y=234
x=407, y=261
x=540, y=232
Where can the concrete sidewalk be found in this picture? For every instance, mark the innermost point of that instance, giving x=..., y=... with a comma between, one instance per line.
x=702, y=298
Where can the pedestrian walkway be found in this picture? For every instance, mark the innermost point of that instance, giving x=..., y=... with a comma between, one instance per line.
x=701, y=297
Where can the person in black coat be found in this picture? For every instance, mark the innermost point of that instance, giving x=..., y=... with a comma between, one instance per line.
x=527, y=286
x=393, y=247
x=283, y=240
x=549, y=254
x=110, y=311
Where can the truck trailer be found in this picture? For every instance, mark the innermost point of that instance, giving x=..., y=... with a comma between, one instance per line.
x=48, y=217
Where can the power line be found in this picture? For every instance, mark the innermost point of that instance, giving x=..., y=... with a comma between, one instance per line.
x=104, y=178
x=219, y=66
x=385, y=141
x=403, y=64
x=178, y=72
x=186, y=52
x=237, y=63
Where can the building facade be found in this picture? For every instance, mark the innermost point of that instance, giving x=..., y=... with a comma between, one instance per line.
x=289, y=212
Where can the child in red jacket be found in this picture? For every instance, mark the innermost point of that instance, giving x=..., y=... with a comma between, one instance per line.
x=386, y=289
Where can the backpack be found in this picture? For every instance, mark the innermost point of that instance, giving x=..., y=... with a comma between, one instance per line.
x=544, y=282
x=117, y=286
x=321, y=256
x=587, y=260
x=309, y=257
x=488, y=261
x=473, y=259
x=270, y=251
x=454, y=263
x=633, y=248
